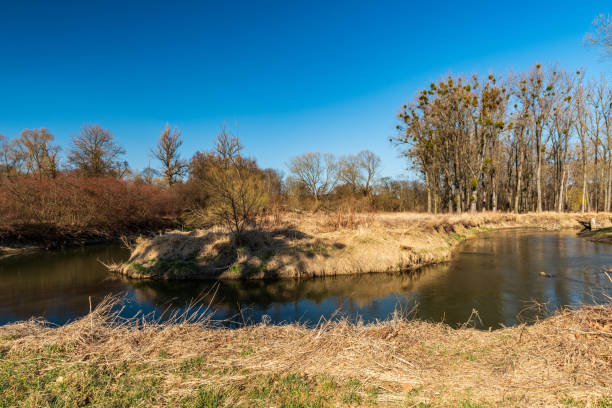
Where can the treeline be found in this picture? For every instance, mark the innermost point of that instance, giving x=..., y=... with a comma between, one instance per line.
x=89, y=195
x=92, y=188
x=533, y=141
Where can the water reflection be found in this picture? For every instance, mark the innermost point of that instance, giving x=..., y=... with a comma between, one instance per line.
x=497, y=274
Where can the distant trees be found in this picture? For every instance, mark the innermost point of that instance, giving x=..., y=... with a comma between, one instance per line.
x=35, y=151
x=317, y=173
x=7, y=160
x=452, y=131
x=359, y=171
x=530, y=142
x=94, y=152
x=4, y=156
x=167, y=152
x=602, y=33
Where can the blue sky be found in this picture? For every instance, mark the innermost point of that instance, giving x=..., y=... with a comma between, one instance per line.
x=296, y=76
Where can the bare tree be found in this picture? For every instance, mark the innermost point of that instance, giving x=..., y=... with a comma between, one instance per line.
x=360, y=170
x=235, y=184
x=581, y=96
x=148, y=174
x=4, y=156
x=95, y=152
x=316, y=172
x=602, y=33
x=603, y=98
x=166, y=151
x=36, y=150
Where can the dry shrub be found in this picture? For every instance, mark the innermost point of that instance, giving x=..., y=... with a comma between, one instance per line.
x=103, y=204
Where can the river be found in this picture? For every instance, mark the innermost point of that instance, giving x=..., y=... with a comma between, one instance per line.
x=500, y=274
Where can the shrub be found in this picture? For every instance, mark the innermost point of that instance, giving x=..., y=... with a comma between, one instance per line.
x=104, y=204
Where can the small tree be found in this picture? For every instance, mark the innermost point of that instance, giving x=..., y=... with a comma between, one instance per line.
x=148, y=174
x=95, y=153
x=166, y=151
x=236, y=185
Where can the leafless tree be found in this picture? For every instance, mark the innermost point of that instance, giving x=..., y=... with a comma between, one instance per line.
x=602, y=34
x=167, y=152
x=35, y=149
x=360, y=170
x=317, y=172
x=235, y=184
x=95, y=152
x=4, y=156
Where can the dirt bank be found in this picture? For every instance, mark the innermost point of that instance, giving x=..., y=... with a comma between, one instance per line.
x=100, y=360
x=319, y=245
x=28, y=237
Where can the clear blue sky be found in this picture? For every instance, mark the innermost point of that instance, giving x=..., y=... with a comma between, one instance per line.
x=296, y=76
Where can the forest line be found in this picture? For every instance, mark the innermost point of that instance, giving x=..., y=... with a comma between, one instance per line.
x=532, y=141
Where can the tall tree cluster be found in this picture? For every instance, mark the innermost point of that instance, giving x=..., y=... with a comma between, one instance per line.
x=534, y=141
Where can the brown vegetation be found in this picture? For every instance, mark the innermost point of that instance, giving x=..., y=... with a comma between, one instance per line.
x=74, y=209
x=101, y=360
x=305, y=245
x=534, y=141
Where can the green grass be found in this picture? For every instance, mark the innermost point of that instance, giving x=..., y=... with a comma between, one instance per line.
x=603, y=231
x=164, y=265
x=312, y=249
x=48, y=378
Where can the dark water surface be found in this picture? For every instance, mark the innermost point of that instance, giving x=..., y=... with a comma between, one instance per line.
x=497, y=273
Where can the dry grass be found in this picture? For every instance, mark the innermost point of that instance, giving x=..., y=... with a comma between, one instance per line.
x=101, y=360
x=319, y=244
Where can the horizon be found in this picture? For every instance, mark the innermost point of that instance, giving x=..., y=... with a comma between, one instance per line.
x=293, y=80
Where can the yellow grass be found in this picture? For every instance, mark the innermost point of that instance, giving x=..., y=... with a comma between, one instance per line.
x=304, y=245
x=564, y=360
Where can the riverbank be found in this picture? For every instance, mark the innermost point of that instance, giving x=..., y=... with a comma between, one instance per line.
x=100, y=360
x=30, y=237
x=306, y=245
x=599, y=235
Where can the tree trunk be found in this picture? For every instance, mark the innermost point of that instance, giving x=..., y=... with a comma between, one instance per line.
x=428, y=187
x=473, y=200
x=584, y=182
x=609, y=202
x=539, y=179
x=519, y=179
x=560, y=203
x=494, y=201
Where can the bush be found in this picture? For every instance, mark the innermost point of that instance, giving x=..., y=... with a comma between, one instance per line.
x=103, y=204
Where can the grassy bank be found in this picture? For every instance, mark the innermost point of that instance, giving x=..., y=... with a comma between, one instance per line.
x=304, y=245
x=600, y=235
x=564, y=360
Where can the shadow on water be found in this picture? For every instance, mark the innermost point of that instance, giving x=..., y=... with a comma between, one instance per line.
x=497, y=273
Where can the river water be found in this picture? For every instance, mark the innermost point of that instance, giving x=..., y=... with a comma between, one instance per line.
x=498, y=274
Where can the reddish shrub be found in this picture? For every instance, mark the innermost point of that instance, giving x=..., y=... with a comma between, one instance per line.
x=101, y=204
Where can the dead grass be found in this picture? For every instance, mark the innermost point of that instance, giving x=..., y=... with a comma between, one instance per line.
x=306, y=245
x=101, y=360
x=319, y=244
